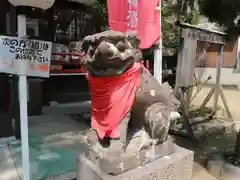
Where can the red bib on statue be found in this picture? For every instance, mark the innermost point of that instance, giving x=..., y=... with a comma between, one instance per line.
x=111, y=99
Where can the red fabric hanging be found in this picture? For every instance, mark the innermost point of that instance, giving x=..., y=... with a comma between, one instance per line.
x=148, y=29
x=117, y=14
x=111, y=99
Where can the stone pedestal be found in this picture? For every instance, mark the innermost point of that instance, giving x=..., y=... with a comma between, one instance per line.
x=175, y=166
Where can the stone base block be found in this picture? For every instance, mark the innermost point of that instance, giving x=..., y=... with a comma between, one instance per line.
x=177, y=165
x=204, y=130
x=114, y=163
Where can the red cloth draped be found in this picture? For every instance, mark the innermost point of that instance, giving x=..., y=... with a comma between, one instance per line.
x=148, y=29
x=111, y=98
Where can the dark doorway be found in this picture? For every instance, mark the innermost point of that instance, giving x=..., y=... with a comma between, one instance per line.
x=6, y=128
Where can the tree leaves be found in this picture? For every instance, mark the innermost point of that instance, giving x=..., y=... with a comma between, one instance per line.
x=223, y=12
x=171, y=11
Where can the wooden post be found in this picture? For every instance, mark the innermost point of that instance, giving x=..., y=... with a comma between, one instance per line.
x=218, y=78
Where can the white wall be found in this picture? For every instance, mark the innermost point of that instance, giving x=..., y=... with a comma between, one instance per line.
x=229, y=76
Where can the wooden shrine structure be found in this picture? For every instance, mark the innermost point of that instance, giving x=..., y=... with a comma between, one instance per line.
x=185, y=78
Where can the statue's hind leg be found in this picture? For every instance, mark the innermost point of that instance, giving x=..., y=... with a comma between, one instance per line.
x=156, y=125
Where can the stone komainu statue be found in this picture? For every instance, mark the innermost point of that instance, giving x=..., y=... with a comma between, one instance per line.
x=111, y=54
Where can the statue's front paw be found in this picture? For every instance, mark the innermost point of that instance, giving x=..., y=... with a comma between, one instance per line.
x=91, y=137
x=145, y=141
x=144, y=145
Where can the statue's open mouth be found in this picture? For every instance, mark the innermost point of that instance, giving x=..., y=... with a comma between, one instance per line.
x=109, y=72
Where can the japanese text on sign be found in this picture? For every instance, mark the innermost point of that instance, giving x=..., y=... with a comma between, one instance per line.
x=27, y=49
x=25, y=56
x=132, y=14
x=202, y=36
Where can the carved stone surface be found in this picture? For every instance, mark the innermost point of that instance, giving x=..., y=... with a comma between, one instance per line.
x=111, y=163
x=175, y=166
x=109, y=53
x=112, y=53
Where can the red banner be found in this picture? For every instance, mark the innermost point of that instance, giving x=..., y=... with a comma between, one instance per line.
x=123, y=14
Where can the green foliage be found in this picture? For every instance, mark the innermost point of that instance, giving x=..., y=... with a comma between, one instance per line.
x=193, y=17
x=223, y=12
x=170, y=14
x=104, y=2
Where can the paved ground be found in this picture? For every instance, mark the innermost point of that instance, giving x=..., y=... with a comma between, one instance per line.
x=56, y=132
x=201, y=174
x=233, y=100
x=7, y=167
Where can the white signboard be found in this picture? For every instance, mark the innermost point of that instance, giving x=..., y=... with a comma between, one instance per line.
x=25, y=56
x=201, y=35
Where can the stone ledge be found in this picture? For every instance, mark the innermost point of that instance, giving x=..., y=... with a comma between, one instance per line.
x=177, y=165
x=205, y=130
x=221, y=169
